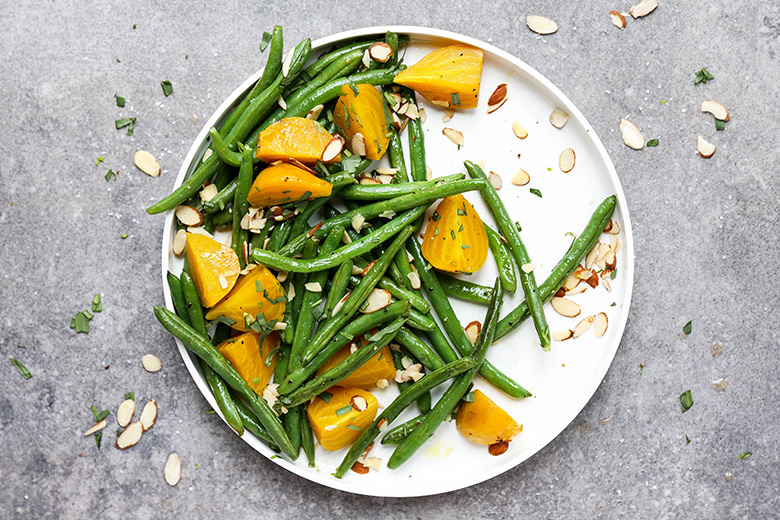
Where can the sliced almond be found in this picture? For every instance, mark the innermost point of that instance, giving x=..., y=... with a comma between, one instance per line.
x=528, y=268
x=472, y=331
x=315, y=112
x=130, y=436
x=189, y=216
x=565, y=307
x=716, y=109
x=582, y=326
x=600, y=323
x=423, y=115
x=359, y=403
x=411, y=111
x=359, y=468
x=495, y=180
x=313, y=287
x=374, y=463
x=631, y=135
x=593, y=279
x=562, y=335
x=558, y=118
x=332, y=149
x=151, y=363
x=540, y=24
x=428, y=173
x=382, y=383
x=340, y=304
x=413, y=373
x=377, y=300
x=208, y=193
x=222, y=280
x=281, y=102
x=366, y=269
x=366, y=59
x=497, y=98
x=380, y=51
x=287, y=63
x=95, y=428
x=148, y=414
x=498, y=448
x=448, y=114
x=614, y=229
x=406, y=362
x=366, y=180
x=581, y=273
x=386, y=171
x=590, y=258
x=125, y=412
x=579, y=289
x=357, y=222
x=606, y=284
x=706, y=149
x=519, y=130
x=719, y=385
x=643, y=8
x=146, y=163
x=414, y=280
x=358, y=144
x=566, y=160
x=385, y=179
x=173, y=469
x=618, y=19
x=521, y=178
x=179, y=242
x=453, y=135
x=571, y=282
x=440, y=103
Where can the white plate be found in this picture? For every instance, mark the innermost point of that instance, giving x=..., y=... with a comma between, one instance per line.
x=562, y=380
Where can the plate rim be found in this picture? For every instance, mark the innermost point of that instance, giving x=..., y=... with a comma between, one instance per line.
x=324, y=478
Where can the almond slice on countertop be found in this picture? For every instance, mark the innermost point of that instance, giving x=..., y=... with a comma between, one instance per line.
x=315, y=112
x=188, y=215
x=472, y=331
x=179, y=242
x=146, y=163
x=706, y=149
x=172, y=469
x=495, y=180
x=125, y=412
x=380, y=51
x=716, y=109
x=148, y=414
x=521, y=178
x=358, y=144
x=643, y=8
x=582, y=326
x=540, y=24
x=332, y=149
x=130, y=436
x=95, y=428
x=453, y=135
x=600, y=323
x=632, y=136
x=566, y=160
x=377, y=300
x=565, y=307
x=519, y=130
x=151, y=363
x=618, y=19
x=497, y=98
x=562, y=335
x=558, y=118
x=359, y=403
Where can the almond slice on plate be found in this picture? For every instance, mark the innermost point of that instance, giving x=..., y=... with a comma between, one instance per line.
x=716, y=109
x=566, y=160
x=148, y=414
x=377, y=300
x=706, y=149
x=188, y=215
x=540, y=24
x=519, y=130
x=600, y=323
x=495, y=180
x=151, y=363
x=643, y=8
x=125, y=412
x=453, y=135
x=562, y=335
x=497, y=98
x=618, y=19
x=380, y=51
x=571, y=282
x=173, y=469
x=179, y=242
x=315, y=112
x=521, y=178
x=631, y=135
x=332, y=149
x=582, y=326
x=146, y=163
x=472, y=331
x=208, y=193
x=565, y=307
x=558, y=118
x=358, y=144
x=130, y=436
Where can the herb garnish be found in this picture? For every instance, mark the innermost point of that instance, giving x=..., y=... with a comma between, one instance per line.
x=120, y=101
x=96, y=305
x=720, y=124
x=111, y=174
x=686, y=400
x=130, y=395
x=687, y=328
x=128, y=122
x=80, y=321
x=167, y=87
x=652, y=142
x=702, y=76
x=265, y=41
x=344, y=409
x=687, y=440
x=99, y=160
x=536, y=192
x=455, y=97
x=325, y=396
x=745, y=455
x=354, y=427
x=21, y=368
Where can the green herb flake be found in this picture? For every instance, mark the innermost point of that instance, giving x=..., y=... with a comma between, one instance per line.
x=167, y=87
x=99, y=160
x=435, y=217
x=265, y=41
x=720, y=125
x=128, y=122
x=258, y=287
x=96, y=305
x=465, y=246
x=111, y=175
x=209, y=412
x=745, y=455
x=663, y=101
x=80, y=322
x=325, y=396
x=21, y=368
x=469, y=397
x=536, y=192
x=686, y=400
x=549, y=169
x=344, y=409
x=641, y=368
x=133, y=26
x=98, y=439
x=687, y=440
x=687, y=328
x=355, y=90
x=452, y=233
x=612, y=304
x=455, y=97
x=354, y=427
x=256, y=381
x=130, y=395
x=120, y=101
x=702, y=76
x=124, y=235
x=613, y=274
x=652, y=143
x=518, y=227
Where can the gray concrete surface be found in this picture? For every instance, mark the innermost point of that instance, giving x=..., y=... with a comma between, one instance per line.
x=706, y=243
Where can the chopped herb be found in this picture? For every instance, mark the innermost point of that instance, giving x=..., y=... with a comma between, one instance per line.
x=549, y=169
x=99, y=160
x=436, y=232
x=130, y=395
x=354, y=427
x=317, y=312
x=258, y=286
x=128, y=122
x=570, y=234
x=687, y=440
x=20, y=346
x=133, y=26
x=452, y=233
x=325, y=396
x=435, y=217
x=686, y=400
x=111, y=174
x=117, y=60
x=344, y=409
x=469, y=397
x=275, y=457
x=536, y=192
x=687, y=328
x=223, y=319
x=612, y=304
x=720, y=124
x=265, y=41
x=461, y=212
x=21, y=368
x=80, y=322
x=351, y=164
x=98, y=438
x=390, y=99
x=641, y=368
x=305, y=196
x=209, y=412
x=745, y=455
x=270, y=357
x=384, y=332
x=96, y=305
x=613, y=274
x=465, y=246
x=519, y=227
x=256, y=381
x=702, y=76
x=167, y=87
x=355, y=90
x=124, y=235
x=663, y=101
x=120, y=101
x=455, y=97
x=652, y=142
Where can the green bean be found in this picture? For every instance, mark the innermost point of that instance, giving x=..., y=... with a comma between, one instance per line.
x=465, y=290
x=177, y=295
x=251, y=423
x=338, y=286
x=453, y=327
x=227, y=156
x=424, y=401
x=280, y=235
x=420, y=321
x=292, y=425
x=349, y=251
x=418, y=349
x=194, y=308
x=354, y=329
x=282, y=362
x=221, y=199
x=258, y=239
x=204, y=350
x=396, y=151
x=208, y=223
x=503, y=258
x=398, y=405
x=301, y=223
x=417, y=301
x=222, y=396
x=389, y=191
x=419, y=170
x=223, y=177
x=295, y=304
x=223, y=218
x=577, y=251
x=221, y=333
x=307, y=438
x=399, y=433
x=512, y=235
x=441, y=345
x=239, y=236
x=341, y=371
x=326, y=60
x=457, y=389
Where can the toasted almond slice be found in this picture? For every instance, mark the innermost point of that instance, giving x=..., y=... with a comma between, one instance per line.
x=497, y=98
x=287, y=62
x=493, y=108
x=540, y=24
x=591, y=256
x=222, y=280
x=151, y=363
x=610, y=261
x=423, y=115
x=357, y=222
x=521, y=178
x=581, y=273
x=558, y=118
x=208, y=193
x=207, y=154
x=603, y=251
x=95, y=428
x=374, y=463
x=406, y=362
x=579, y=289
x=566, y=160
x=565, y=307
x=358, y=144
x=332, y=150
x=528, y=268
x=643, y=8
x=600, y=323
x=377, y=300
x=428, y=173
x=632, y=136
x=380, y=51
x=593, y=280
x=359, y=403
x=618, y=19
x=385, y=179
x=614, y=228
x=440, y=103
x=519, y=130
x=189, y=216
x=719, y=385
x=382, y=383
x=582, y=326
x=125, y=412
x=313, y=287
x=365, y=180
x=498, y=448
x=411, y=111
x=448, y=114
x=130, y=436
x=571, y=282
x=365, y=270
x=173, y=469
x=340, y=304
x=179, y=242
x=357, y=467
x=148, y=414
x=605, y=283
x=366, y=59
x=386, y=171
x=453, y=135
x=495, y=180
x=414, y=280
x=562, y=335
x=414, y=372
x=472, y=331
x=315, y=112
x=146, y=163
x=281, y=102
x=706, y=149
x=716, y=109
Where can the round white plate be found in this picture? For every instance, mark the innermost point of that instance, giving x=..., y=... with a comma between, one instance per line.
x=562, y=380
